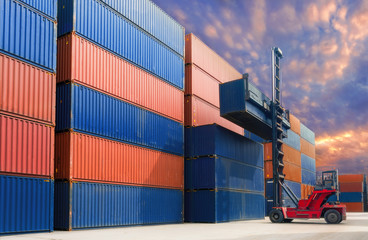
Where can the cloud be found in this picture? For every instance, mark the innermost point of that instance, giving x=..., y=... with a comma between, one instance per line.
x=258, y=19
x=211, y=31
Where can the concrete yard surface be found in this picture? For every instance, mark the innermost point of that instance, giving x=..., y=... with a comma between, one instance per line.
x=356, y=227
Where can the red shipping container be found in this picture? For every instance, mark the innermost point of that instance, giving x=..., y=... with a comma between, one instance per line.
x=354, y=206
x=26, y=91
x=200, y=84
x=198, y=53
x=351, y=178
x=294, y=124
x=84, y=157
x=26, y=148
x=307, y=148
x=198, y=113
x=351, y=187
x=81, y=61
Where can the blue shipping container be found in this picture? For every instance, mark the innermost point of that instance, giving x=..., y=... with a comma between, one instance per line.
x=308, y=163
x=220, y=172
x=307, y=134
x=293, y=140
x=47, y=7
x=26, y=204
x=95, y=21
x=214, y=206
x=294, y=186
x=211, y=140
x=90, y=205
x=148, y=16
x=308, y=177
x=27, y=35
x=348, y=197
x=89, y=111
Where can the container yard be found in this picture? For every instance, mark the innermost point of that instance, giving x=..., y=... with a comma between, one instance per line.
x=144, y=113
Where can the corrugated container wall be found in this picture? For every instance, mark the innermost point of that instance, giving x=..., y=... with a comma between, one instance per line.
x=47, y=7
x=27, y=35
x=27, y=91
x=307, y=134
x=106, y=205
x=89, y=158
x=26, y=204
x=89, y=111
x=86, y=63
x=104, y=26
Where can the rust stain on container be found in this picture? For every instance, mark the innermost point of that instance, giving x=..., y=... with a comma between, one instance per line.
x=26, y=148
x=83, y=62
x=307, y=148
x=26, y=91
x=88, y=158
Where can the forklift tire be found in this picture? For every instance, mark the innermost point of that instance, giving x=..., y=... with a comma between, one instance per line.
x=276, y=216
x=332, y=216
x=288, y=220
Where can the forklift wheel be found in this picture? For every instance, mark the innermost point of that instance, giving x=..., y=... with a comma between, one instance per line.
x=276, y=216
x=332, y=216
x=288, y=220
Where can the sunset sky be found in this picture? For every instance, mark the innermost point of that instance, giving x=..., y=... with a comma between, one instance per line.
x=325, y=65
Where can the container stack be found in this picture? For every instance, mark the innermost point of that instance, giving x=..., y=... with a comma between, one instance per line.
x=120, y=138
x=223, y=176
x=27, y=115
x=353, y=192
x=204, y=71
x=308, y=157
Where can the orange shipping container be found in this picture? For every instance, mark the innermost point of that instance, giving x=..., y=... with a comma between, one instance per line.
x=26, y=148
x=200, y=54
x=267, y=154
x=199, y=112
x=295, y=124
x=307, y=148
x=83, y=62
x=199, y=83
x=291, y=155
x=354, y=206
x=291, y=171
x=351, y=178
x=26, y=91
x=306, y=191
x=351, y=186
x=88, y=158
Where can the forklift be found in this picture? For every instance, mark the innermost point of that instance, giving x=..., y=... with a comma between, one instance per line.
x=316, y=206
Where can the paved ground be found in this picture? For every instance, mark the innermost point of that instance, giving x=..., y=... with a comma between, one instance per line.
x=355, y=228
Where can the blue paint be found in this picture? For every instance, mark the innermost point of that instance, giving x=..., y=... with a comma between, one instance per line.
x=220, y=172
x=214, y=140
x=348, y=197
x=222, y=206
x=27, y=35
x=26, y=204
x=100, y=24
x=307, y=134
x=89, y=111
x=89, y=205
x=294, y=186
x=292, y=139
x=47, y=7
x=308, y=177
x=308, y=163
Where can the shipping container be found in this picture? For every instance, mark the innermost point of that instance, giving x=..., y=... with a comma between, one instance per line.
x=202, y=85
x=307, y=148
x=26, y=147
x=198, y=112
x=27, y=35
x=220, y=172
x=26, y=204
x=215, y=206
x=291, y=171
x=214, y=140
x=347, y=197
x=267, y=151
x=89, y=158
x=354, y=206
x=291, y=155
x=306, y=191
x=90, y=205
x=105, y=27
x=307, y=134
x=308, y=177
x=198, y=53
x=26, y=91
x=256, y=138
x=86, y=63
x=293, y=140
x=351, y=187
x=151, y=18
x=351, y=178
x=47, y=7
x=294, y=186
x=294, y=124
x=89, y=111
x=308, y=163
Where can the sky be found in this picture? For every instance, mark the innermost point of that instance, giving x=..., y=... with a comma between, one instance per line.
x=324, y=69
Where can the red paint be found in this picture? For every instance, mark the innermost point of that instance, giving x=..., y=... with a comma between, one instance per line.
x=26, y=91
x=26, y=147
x=84, y=157
x=198, y=113
x=84, y=62
x=198, y=53
x=351, y=186
x=354, y=206
x=351, y=178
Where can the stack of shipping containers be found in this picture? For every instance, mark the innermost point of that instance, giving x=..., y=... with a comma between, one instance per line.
x=27, y=114
x=296, y=162
x=120, y=137
x=353, y=192
x=223, y=170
